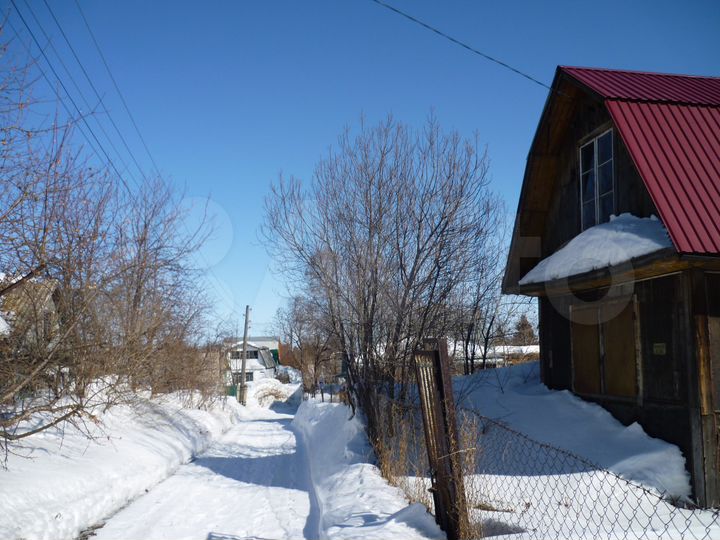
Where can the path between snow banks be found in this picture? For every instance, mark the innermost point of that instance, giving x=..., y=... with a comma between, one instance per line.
x=261, y=480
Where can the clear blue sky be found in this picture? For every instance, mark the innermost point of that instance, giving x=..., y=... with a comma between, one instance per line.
x=230, y=94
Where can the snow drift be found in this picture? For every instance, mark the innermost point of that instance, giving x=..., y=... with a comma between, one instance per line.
x=59, y=482
x=621, y=239
x=350, y=492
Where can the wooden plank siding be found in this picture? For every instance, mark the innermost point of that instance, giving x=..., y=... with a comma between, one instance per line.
x=655, y=394
x=549, y=207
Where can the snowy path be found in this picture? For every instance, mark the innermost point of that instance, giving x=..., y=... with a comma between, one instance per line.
x=251, y=483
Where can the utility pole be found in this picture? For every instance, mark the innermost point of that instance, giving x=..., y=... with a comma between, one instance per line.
x=243, y=386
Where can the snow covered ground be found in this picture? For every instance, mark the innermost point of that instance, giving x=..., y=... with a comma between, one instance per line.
x=516, y=397
x=160, y=470
x=59, y=482
x=353, y=498
x=536, y=489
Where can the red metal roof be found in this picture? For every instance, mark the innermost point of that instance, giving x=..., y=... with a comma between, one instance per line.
x=670, y=124
x=643, y=86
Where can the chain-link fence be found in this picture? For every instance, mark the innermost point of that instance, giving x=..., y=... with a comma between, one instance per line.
x=525, y=488
x=519, y=485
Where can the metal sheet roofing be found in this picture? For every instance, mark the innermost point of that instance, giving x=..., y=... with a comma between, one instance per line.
x=643, y=86
x=670, y=124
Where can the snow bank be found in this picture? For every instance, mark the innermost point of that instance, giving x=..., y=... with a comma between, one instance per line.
x=66, y=483
x=350, y=492
x=516, y=397
x=621, y=239
x=294, y=375
x=264, y=392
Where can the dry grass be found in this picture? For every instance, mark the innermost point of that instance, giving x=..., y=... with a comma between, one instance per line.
x=402, y=459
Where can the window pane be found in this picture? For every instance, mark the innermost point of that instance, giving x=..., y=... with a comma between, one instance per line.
x=605, y=147
x=587, y=155
x=588, y=216
x=605, y=177
x=606, y=207
x=588, y=186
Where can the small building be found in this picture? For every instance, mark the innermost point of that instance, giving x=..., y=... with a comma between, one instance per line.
x=271, y=342
x=618, y=235
x=259, y=364
x=28, y=310
x=496, y=356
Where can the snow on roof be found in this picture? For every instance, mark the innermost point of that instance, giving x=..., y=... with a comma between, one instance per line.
x=267, y=341
x=250, y=346
x=623, y=238
x=251, y=364
x=506, y=350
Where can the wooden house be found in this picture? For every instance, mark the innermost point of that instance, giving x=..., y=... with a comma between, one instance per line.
x=28, y=310
x=629, y=308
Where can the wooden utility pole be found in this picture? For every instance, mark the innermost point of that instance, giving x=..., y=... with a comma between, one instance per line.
x=242, y=397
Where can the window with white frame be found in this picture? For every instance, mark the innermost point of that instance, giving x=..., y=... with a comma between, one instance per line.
x=597, y=200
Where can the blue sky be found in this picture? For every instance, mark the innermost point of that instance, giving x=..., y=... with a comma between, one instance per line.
x=230, y=94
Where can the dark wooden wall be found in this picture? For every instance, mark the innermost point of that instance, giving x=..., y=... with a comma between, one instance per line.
x=631, y=195
x=663, y=408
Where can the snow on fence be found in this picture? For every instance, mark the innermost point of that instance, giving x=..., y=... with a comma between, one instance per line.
x=524, y=488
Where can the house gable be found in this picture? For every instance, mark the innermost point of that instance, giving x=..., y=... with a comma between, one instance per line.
x=549, y=212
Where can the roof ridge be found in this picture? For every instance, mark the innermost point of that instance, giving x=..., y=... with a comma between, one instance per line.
x=661, y=102
x=639, y=72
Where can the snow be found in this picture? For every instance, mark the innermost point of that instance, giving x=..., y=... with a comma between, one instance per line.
x=58, y=482
x=162, y=470
x=516, y=397
x=4, y=327
x=294, y=375
x=621, y=489
x=623, y=238
x=502, y=351
x=355, y=501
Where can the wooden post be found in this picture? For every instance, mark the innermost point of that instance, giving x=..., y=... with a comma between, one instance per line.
x=441, y=437
x=242, y=395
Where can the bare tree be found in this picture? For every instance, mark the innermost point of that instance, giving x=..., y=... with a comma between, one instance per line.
x=310, y=344
x=394, y=225
x=97, y=282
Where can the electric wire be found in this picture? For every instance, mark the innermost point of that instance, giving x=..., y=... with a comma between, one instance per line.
x=117, y=87
x=214, y=280
x=92, y=85
x=460, y=43
x=79, y=91
x=72, y=101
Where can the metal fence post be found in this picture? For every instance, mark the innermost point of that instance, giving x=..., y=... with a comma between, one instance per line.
x=441, y=437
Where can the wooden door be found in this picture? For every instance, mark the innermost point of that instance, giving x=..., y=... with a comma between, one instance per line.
x=586, y=350
x=620, y=367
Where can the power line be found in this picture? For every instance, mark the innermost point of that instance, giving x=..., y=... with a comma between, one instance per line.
x=62, y=84
x=460, y=43
x=214, y=280
x=117, y=88
x=77, y=88
x=97, y=94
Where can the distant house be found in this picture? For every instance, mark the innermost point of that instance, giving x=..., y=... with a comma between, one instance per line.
x=28, y=310
x=260, y=363
x=629, y=306
x=496, y=356
x=271, y=342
